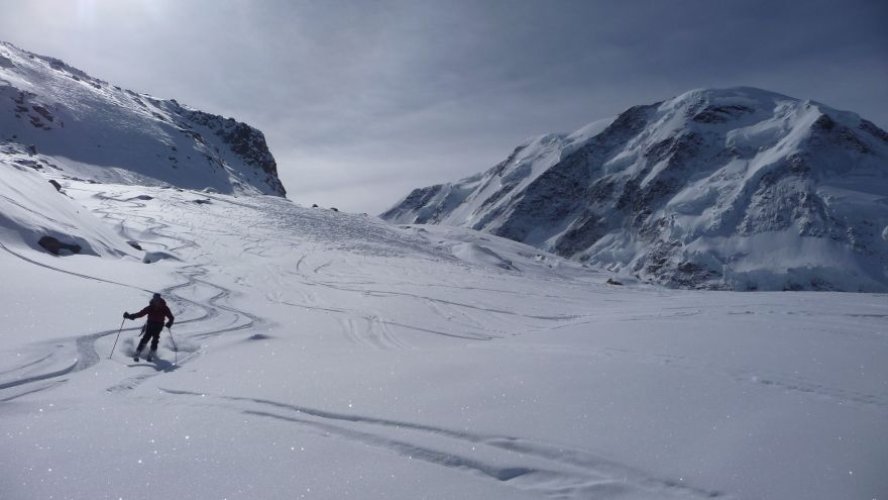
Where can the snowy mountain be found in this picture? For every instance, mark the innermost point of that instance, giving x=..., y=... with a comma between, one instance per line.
x=738, y=188
x=55, y=117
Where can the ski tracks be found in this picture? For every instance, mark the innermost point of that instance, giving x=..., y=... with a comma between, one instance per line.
x=370, y=330
x=465, y=321
x=553, y=470
x=226, y=318
x=195, y=292
x=218, y=317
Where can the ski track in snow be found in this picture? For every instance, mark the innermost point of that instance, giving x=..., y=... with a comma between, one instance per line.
x=84, y=345
x=470, y=328
x=370, y=329
x=552, y=470
x=212, y=307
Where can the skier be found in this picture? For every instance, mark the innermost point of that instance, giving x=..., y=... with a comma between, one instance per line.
x=156, y=310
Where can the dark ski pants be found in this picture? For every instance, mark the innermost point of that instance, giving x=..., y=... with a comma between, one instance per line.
x=152, y=333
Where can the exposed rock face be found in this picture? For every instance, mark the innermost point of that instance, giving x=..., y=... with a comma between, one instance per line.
x=56, y=247
x=245, y=141
x=734, y=189
x=97, y=131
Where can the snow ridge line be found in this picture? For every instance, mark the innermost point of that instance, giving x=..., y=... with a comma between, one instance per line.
x=44, y=387
x=551, y=469
x=36, y=378
x=26, y=365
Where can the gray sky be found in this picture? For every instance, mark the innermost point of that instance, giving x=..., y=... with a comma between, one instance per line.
x=363, y=100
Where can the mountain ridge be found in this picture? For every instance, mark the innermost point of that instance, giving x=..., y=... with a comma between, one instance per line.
x=697, y=191
x=87, y=128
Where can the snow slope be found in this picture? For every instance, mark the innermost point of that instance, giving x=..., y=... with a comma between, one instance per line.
x=324, y=355
x=31, y=208
x=89, y=129
x=736, y=188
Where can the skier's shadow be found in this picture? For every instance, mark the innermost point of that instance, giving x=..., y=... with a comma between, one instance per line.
x=160, y=365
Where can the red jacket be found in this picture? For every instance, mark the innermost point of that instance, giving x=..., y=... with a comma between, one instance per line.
x=157, y=310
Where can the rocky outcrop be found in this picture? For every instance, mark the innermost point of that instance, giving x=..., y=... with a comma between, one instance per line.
x=56, y=247
x=246, y=142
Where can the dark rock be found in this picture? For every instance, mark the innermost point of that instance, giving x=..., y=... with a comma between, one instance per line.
x=870, y=128
x=54, y=246
x=28, y=163
x=824, y=123
x=721, y=114
x=245, y=141
x=582, y=234
x=611, y=281
x=152, y=257
x=56, y=185
x=417, y=198
x=42, y=111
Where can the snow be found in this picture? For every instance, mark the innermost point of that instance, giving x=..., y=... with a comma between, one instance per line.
x=322, y=354
x=90, y=129
x=30, y=208
x=460, y=202
x=701, y=190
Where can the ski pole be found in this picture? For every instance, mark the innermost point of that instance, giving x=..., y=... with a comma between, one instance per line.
x=175, y=347
x=118, y=338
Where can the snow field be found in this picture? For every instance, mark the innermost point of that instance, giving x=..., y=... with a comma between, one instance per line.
x=329, y=355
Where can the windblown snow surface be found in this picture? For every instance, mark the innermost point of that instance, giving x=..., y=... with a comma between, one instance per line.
x=324, y=355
